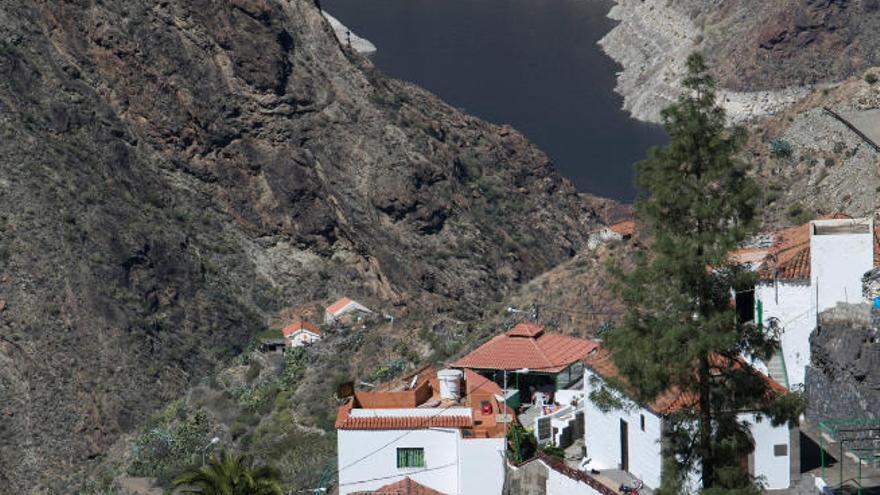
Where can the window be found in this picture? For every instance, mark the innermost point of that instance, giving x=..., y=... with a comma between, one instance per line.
x=410, y=457
x=642, y=421
x=780, y=450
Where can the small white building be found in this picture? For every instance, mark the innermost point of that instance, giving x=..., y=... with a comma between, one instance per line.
x=300, y=333
x=343, y=307
x=806, y=270
x=443, y=430
x=629, y=438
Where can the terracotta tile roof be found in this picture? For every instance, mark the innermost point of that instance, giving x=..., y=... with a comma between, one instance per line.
x=527, y=346
x=788, y=258
x=477, y=384
x=526, y=330
x=300, y=325
x=625, y=228
x=476, y=391
x=405, y=422
x=674, y=399
x=749, y=255
x=338, y=305
x=405, y=486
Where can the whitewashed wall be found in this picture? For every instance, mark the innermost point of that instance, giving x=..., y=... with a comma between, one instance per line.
x=481, y=466
x=775, y=470
x=441, y=449
x=602, y=437
x=837, y=263
x=559, y=484
x=303, y=338
x=792, y=304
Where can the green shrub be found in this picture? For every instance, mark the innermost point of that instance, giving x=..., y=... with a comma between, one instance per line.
x=798, y=215
x=160, y=452
x=253, y=371
x=781, y=148
x=553, y=451
x=871, y=78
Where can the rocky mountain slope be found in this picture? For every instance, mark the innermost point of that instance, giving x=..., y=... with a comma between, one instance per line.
x=843, y=378
x=765, y=55
x=174, y=173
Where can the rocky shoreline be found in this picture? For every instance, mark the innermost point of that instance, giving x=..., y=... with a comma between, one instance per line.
x=651, y=42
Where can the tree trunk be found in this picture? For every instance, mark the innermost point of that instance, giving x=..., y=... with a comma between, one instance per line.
x=706, y=451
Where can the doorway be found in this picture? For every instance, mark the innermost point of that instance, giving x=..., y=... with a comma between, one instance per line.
x=624, y=445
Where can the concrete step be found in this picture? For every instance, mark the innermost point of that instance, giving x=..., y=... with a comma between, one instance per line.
x=775, y=369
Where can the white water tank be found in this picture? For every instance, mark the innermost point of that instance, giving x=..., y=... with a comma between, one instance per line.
x=450, y=384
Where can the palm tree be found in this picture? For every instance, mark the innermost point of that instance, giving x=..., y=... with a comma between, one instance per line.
x=228, y=474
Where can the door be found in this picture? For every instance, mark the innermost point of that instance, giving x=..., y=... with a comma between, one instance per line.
x=624, y=445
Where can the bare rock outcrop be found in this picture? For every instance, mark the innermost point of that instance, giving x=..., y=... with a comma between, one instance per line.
x=173, y=173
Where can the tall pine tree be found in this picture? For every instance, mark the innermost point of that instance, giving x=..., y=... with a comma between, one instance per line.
x=680, y=330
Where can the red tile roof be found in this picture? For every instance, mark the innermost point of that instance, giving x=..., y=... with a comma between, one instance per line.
x=526, y=330
x=300, y=325
x=672, y=400
x=625, y=228
x=527, y=346
x=405, y=486
x=401, y=422
x=788, y=258
x=476, y=391
x=338, y=305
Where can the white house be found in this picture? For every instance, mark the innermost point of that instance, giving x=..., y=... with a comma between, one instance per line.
x=343, y=307
x=806, y=270
x=300, y=333
x=629, y=438
x=443, y=430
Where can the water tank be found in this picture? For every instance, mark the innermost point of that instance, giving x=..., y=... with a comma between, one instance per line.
x=450, y=384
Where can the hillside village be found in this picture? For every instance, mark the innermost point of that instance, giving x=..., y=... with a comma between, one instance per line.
x=527, y=411
x=442, y=430
x=232, y=242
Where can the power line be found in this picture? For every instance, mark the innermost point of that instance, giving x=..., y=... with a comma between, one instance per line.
x=423, y=424
x=428, y=419
x=397, y=475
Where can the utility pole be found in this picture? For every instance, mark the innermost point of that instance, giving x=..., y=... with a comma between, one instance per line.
x=504, y=452
x=504, y=417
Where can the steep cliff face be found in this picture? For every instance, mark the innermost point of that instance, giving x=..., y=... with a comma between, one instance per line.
x=843, y=380
x=765, y=55
x=761, y=45
x=172, y=173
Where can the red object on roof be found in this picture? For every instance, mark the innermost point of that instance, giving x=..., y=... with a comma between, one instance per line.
x=625, y=228
x=300, y=325
x=527, y=346
x=338, y=305
x=405, y=486
x=674, y=399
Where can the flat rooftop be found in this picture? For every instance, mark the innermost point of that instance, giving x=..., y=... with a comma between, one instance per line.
x=414, y=402
x=842, y=226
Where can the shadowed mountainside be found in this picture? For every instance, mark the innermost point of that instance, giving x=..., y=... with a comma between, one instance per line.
x=174, y=173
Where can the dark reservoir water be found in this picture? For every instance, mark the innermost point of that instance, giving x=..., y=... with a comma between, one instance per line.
x=533, y=64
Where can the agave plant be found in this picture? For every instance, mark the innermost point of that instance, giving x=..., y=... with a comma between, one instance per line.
x=229, y=474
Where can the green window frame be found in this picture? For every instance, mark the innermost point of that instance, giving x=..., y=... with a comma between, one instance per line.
x=410, y=457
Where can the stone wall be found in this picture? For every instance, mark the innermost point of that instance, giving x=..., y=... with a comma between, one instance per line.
x=843, y=380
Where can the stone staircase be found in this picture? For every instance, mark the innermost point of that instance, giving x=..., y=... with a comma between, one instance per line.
x=776, y=369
